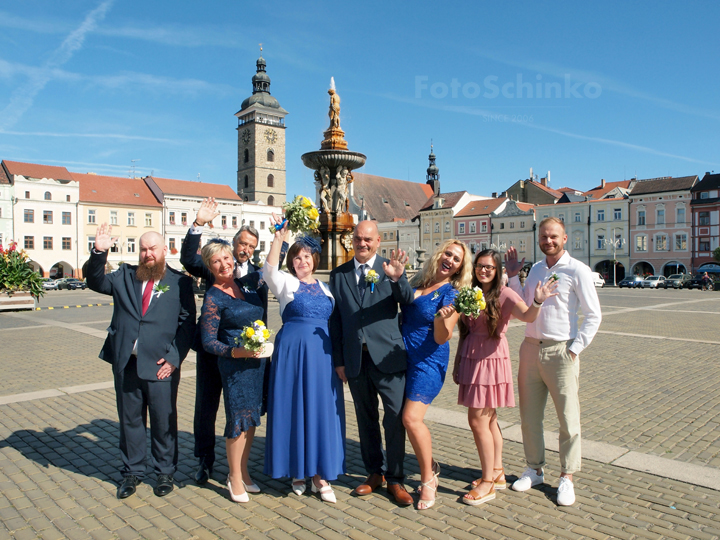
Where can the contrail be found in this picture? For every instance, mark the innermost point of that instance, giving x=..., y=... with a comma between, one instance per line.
x=22, y=99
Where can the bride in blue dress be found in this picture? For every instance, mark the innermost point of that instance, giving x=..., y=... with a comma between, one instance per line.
x=428, y=351
x=306, y=407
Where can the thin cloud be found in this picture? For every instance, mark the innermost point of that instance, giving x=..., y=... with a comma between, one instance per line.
x=90, y=136
x=24, y=96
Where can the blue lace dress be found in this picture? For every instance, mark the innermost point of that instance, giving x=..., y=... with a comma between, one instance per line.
x=306, y=407
x=222, y=320
x=427, y=361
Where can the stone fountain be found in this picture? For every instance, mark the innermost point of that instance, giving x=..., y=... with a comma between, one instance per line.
x=333, y=165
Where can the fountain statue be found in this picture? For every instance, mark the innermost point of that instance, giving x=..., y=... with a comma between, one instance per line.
x=333, y=165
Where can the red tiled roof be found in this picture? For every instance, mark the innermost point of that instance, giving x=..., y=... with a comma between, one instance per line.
x=4, y=178
x=388, y=199
x=598, y=192
x=480, y=208
x=449, y=200
x=568, y=190
x=35, y=170
x=660, y=185
x=195, y=189
x=115, y=190
x=525, y=206
x=554, y=192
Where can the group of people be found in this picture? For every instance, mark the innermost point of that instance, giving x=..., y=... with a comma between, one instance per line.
x=370, y=327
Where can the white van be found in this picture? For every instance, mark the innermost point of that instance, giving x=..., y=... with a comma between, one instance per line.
x=598, y=279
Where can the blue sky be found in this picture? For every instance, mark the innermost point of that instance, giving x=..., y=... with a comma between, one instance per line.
x=633, y=87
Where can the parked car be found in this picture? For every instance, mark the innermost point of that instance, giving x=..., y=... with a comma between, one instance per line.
x=49, y=284
x=631, y=282
x=677, y=281
x=598, y=280
x=653, y=282
x=697, y=282
x=71, y=284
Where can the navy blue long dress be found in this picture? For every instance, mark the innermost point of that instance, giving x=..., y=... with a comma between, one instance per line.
x=222, y=320
x=427, y=361
x=306, y=407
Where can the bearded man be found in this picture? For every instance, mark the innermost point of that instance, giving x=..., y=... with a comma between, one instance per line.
x=152, y=328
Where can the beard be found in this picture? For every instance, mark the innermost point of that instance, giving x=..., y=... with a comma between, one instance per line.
x=155, y=271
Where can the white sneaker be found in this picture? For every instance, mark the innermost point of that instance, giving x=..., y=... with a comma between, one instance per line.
x=565, y=492
x=528, y=479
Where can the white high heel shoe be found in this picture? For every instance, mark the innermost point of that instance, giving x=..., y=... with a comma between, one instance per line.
x=297, y=487
x=251, y=488
x=242, y=498
x=326, y=492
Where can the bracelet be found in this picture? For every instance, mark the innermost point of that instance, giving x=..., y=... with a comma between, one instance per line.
x=196, y=224
x=232, y=352
x=536, y=303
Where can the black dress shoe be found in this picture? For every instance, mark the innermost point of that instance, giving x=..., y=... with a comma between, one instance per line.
x=203, y=473
x=164, y=485
x=127, y=487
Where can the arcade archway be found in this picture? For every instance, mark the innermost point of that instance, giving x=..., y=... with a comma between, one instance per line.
x=61, y=270
x=643, y=268
x=605, y=269
x=674, y=267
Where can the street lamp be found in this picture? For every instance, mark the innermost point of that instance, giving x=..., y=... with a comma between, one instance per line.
x=616, y=244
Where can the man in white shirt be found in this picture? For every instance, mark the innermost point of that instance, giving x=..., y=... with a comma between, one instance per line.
x=549, y=355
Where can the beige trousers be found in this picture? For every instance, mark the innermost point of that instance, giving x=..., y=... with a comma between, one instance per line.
x=547, y=367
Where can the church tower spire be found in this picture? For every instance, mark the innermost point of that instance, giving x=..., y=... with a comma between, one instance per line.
x=433, y=173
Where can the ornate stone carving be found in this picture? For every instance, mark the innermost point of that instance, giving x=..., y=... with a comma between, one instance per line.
x=346, y=240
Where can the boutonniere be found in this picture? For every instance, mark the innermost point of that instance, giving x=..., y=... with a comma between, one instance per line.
x=555, y=277
x=436, y=295
x=159, y=289
x=372, y=278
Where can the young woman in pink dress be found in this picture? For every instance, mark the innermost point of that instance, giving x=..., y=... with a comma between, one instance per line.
x=482, y=367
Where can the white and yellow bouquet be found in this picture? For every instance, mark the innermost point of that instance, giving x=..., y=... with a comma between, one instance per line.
x=301, y=215
x=253, y=337
x=470, y=301
x=372, y=278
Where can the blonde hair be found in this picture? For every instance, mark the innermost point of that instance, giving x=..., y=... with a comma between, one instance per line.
x=548, y=220
x=211, y=249
x=461, y=278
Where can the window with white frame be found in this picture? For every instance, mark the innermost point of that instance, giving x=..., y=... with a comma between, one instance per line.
x=91, y=243
x=148, y=220
x=512, y=224
x=601, y=215
x=661, y=242
x=131, y=245
x=522, y=224
x=578, y=217
x=617, y=214
x=660, y=216
x=483, y=227
x=600, y=241
x=641, y=242
x=521, y=246
x=447, y=226
x=704, y=218
x=641, y=217
x=472, y=227
x=461, y=228
x=113, y=217
x=680, y=218
x=681, y=242
x=91, y=216
x=131, y=218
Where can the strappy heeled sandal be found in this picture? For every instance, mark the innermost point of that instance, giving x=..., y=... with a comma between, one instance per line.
x=472, y=497
x=497, y=482
x=428, y=504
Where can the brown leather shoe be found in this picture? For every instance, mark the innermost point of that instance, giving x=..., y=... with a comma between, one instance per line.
x=398, y=491
x=373, y=482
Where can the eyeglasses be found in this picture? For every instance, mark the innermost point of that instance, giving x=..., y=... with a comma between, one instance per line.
x=487, y=267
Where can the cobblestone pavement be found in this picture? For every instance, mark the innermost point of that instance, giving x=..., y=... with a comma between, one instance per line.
x=658, y=398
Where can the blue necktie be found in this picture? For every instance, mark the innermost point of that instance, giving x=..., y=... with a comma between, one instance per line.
x=362, y=284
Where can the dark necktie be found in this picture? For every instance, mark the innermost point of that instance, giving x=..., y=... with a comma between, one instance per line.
x=362, y=284
x=146, y=296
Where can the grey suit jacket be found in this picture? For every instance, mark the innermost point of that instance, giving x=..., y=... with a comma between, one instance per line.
x=165, y=331
x=376, y=319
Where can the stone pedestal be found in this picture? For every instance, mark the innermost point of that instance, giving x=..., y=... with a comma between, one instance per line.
x=336, y=231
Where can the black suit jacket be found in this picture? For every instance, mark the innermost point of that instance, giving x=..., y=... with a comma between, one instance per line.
x=376, y=318
x=194, y=266
x=165, y=331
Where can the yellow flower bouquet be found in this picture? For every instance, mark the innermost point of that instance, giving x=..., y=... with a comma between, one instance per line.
x=301, y=215
x=253, y=337
x=470, y=301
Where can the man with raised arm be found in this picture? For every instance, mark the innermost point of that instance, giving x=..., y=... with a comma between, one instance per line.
x=152, y=327
x=369, y=354
x=550, y=355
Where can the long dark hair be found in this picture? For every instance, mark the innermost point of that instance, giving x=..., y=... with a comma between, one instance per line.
x=492, y=296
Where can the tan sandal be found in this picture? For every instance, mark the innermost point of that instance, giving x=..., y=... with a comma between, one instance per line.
x=430, y=503
x=472, y=497
x=497, y=482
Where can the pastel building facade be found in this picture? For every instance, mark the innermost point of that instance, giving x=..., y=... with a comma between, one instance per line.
x=705, y=207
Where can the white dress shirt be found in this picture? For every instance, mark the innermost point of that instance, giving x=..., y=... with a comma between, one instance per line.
x=369, y=265
x=558, y=318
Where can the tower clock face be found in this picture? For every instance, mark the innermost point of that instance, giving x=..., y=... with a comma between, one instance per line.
x=246, y=136
x=270, y=136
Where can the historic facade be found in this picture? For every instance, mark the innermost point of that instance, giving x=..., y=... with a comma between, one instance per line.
x=473, y=223
x=261, y=144
x=513, y=224
x=705, y=207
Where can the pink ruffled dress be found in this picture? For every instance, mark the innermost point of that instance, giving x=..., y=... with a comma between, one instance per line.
x=485, y=373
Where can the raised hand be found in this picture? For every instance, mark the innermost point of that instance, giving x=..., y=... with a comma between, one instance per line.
x=543, y=292
x=512, y=265
x=103, y=238
x=207, y=211
x=396, y=266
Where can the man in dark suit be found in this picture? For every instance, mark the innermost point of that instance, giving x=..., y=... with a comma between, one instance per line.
x=369, y=354
x=152, y=328
x=208, y=383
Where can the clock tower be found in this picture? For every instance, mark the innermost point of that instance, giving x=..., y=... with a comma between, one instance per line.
x=261, y=144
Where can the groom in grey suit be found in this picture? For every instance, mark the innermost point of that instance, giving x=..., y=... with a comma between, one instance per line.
x=369, y=354
x=152, y=327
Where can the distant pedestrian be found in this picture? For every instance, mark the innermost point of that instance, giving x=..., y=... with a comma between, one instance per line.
x=549, y=356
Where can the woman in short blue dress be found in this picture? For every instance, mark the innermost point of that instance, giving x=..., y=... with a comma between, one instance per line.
x=426, y=339
x=306, y=408
x=227, y=309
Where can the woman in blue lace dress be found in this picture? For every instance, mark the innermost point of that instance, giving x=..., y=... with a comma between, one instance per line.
x=228, y=307
x=428, y=351
x=306, y=408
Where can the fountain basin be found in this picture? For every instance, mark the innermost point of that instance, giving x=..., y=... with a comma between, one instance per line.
x=333, y=159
